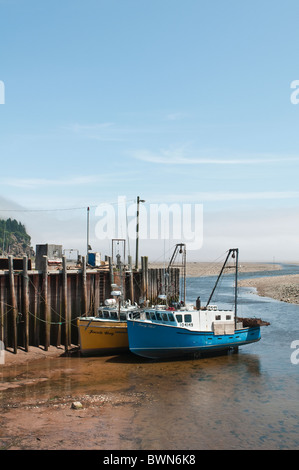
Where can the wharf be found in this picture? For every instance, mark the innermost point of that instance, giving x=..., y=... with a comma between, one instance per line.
x=40, y=307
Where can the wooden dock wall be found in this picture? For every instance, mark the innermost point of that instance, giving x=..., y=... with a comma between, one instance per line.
x=40, y=308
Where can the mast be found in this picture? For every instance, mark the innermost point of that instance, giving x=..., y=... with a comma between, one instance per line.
x=219, y=276
x=181, y=249
x=234, y=252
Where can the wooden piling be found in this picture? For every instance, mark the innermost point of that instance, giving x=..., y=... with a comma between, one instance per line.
x=111, y=270
x=50, y=299
x=145, y=274
x=13, y=303
x=47, y=311
x=65, y=304
x=2, y=323
x=131, y=295
x=84, y=287
x=36, y=310
x=25, y=289
x=57, y=303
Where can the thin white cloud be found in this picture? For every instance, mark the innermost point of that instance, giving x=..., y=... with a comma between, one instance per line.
x=108, y=131
x=76, y=127
x=32, y=183
x=176, y=157
x=105, y=131
x=175, y=116
x=223, y=196
x=247, y=196
x=68, y=180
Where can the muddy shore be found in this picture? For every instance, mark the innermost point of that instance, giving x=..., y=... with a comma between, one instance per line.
x=45, y=420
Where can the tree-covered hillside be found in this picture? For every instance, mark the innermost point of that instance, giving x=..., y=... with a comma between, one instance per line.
x=14, y=239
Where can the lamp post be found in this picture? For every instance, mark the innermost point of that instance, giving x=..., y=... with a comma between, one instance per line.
x=137, y=231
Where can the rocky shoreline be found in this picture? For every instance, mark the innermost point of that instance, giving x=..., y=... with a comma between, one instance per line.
x=283, y=288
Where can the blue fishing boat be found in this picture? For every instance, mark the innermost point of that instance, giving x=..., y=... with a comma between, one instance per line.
x=163, y=332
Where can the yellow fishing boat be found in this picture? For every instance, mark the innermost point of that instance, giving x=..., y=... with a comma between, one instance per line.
x=106, y=333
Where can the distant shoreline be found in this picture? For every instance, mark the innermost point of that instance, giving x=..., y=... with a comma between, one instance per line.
x=198, y=269
x=284, y=288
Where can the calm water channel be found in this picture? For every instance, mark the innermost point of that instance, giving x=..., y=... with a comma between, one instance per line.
x=247, y=400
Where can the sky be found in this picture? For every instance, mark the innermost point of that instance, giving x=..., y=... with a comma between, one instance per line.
x=190, y=104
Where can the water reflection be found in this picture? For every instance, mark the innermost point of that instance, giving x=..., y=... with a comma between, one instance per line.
x=236, y=401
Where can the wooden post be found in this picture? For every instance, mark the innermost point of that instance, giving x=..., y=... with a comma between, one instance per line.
x=131, y=286
x=142, y=277
x=46, y=303
x=1, y=311
x=57, y=303
x=111, y=270
x=26, y=302
x=154, y=285
x=96, y=292
x=36, y=309
x=64, y=303
x=145, y=267
x=13, y=303
x=84, y=287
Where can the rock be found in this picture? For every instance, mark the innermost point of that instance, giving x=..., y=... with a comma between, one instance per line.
x=76, y=405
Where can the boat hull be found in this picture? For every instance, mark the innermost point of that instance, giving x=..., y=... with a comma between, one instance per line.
x=156, y=341
x=102, y=337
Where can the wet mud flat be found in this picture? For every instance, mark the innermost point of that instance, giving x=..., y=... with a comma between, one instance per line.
x=129, y=403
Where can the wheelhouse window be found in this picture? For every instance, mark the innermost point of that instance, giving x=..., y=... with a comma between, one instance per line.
x=158, y=316
x=217, y=317
x=188, y=318
x=228, y=317
x=179, y=318
x=153, y=316
x=164, y=316
x=171, y=317
x=147, y=314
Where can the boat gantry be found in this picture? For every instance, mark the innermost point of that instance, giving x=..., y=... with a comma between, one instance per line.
x=170, y=332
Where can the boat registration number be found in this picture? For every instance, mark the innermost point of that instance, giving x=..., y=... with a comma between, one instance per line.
x=186, y=324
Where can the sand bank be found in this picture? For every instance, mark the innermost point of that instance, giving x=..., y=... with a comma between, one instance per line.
x=197, y=269
x=283, y=288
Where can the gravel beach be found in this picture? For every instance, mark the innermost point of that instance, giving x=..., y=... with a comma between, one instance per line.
x=283, y=288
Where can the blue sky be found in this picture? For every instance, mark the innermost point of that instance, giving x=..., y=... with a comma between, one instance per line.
x=174, y=101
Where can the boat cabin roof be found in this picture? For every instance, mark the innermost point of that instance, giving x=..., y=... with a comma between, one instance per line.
x=185, y=317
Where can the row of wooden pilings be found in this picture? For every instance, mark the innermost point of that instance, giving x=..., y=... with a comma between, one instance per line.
x=40, y=308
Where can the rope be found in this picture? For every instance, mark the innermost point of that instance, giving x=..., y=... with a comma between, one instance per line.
x=36, y=317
